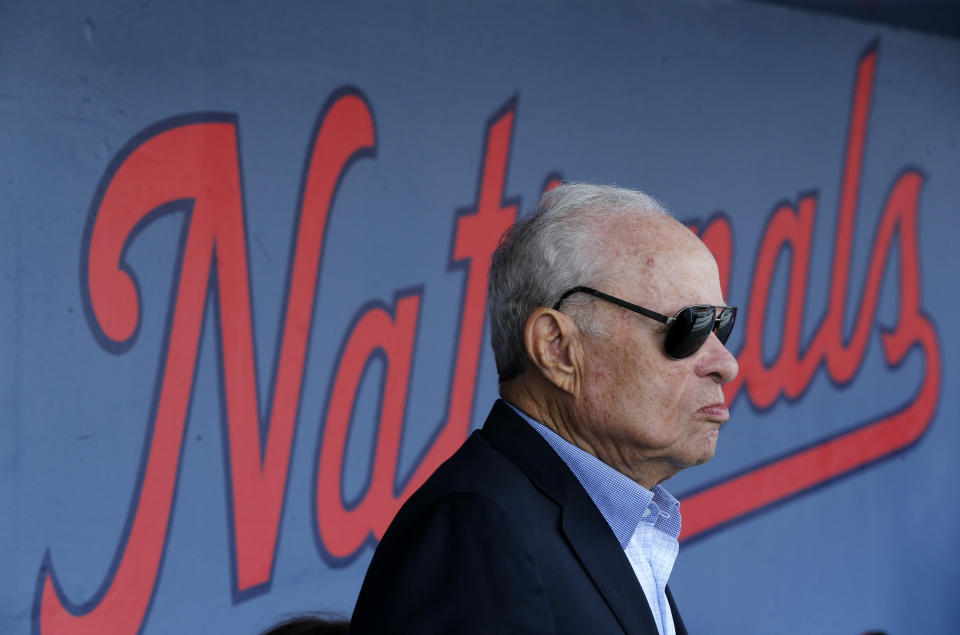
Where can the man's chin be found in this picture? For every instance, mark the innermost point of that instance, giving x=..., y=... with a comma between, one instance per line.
x=708, y=452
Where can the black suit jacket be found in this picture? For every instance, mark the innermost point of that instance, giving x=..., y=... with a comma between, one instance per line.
x=502, y=539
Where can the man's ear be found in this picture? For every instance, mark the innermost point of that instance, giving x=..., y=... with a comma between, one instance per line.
x=554, y=348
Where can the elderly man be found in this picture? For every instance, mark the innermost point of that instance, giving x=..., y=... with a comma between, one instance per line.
x=608, y=326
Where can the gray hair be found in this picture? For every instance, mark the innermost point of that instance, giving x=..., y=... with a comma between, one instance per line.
x=558, y=247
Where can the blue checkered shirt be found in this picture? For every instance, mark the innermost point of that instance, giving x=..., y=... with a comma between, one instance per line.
x=645, y=522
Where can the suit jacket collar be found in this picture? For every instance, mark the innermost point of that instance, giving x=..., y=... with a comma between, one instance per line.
x=582, y=523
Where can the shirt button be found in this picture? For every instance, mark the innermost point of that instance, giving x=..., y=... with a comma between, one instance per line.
x=646, y=512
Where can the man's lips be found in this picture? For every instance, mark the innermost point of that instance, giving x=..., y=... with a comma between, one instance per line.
x=715, y=411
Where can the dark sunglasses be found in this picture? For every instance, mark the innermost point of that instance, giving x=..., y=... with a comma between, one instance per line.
x=687, y=330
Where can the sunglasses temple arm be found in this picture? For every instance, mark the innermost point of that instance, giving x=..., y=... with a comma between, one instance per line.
x=653, y=315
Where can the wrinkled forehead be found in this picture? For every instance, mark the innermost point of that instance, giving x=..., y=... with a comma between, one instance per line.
x=660, y=261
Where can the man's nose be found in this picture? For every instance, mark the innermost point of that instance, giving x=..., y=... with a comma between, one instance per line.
x=716, y=361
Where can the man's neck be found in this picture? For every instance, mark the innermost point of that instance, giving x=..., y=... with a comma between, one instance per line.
x=557, y=412
x=536, y=402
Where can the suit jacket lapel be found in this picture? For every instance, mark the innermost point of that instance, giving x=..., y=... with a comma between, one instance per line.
x=601, y=555
x=678, y=626
x=582, y=523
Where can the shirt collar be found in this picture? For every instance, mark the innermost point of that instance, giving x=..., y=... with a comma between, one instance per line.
x=623, y=502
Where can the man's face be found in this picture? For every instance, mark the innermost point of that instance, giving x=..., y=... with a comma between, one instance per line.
x=640, y=411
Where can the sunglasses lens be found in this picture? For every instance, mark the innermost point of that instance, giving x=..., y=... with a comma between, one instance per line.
x=725, y=324
x=689, y=330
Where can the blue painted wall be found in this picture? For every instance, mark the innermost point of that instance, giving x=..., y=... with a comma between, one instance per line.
x=830, y=508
